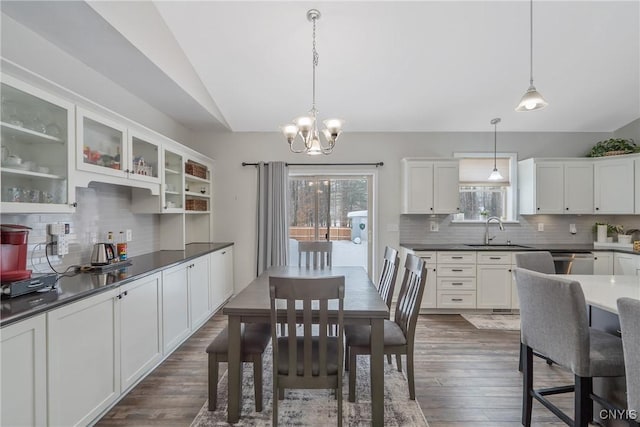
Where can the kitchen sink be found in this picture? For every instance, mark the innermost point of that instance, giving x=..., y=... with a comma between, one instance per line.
x=481, y=247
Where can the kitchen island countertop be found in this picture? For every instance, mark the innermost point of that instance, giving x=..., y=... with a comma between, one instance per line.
x=75, y=286
x=551, y=247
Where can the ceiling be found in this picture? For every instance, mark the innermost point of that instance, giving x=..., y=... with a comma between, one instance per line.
x=384, y=66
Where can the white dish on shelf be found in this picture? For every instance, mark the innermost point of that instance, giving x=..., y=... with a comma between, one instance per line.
x=22, y=167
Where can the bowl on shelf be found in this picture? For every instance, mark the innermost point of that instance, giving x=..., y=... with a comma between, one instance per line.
x=43, y=169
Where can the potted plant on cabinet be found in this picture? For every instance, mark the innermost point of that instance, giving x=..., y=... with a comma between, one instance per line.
x=614, y=147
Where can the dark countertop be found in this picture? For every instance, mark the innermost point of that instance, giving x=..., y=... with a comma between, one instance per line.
x=81, y=285
x=555, y=247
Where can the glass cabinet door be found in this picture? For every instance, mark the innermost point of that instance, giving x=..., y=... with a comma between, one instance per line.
x=143, y=161
x=173, y=183
x=101, y=144
x=37, y=143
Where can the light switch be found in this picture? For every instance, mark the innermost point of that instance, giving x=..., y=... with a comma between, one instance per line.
x=572, y=229
x=541, y=226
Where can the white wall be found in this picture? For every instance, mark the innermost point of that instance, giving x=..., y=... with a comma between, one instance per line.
x=27, y=49
x=235, y=186
x=631, y=130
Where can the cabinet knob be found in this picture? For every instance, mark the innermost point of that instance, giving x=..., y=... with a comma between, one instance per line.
x=119, y=296
x=566, y=208
x=126, y=293
x=538, y=208
x=431, y=209
x=74, y=204
x=597, y=209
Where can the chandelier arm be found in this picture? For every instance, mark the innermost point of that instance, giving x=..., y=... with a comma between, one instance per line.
x=293, y=150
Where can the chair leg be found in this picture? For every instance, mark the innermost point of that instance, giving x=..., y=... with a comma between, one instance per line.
x=346, y=358
x=521, y=359
x=339, y=396
x=257, y=381
x=274, y=420
x=389, y=361
x=213, y=382
x=399, y=362
x=412, y=384
x=527, y=384
x=281, y=394
x=583, y=403
x=352, y=378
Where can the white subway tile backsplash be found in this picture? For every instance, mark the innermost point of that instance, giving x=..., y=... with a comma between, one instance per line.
x=101, y=208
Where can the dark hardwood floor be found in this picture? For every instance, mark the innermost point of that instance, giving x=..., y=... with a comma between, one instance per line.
x=464, y=377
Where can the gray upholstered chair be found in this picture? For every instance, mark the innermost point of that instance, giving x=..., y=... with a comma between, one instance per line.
x=307, y=357
x=542, y=262
x=629, y=312
x=399, y=333
x=316, y=254
x=554, y=321
x=255, y=338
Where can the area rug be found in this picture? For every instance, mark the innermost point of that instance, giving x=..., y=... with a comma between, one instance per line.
x=508, y=322
x=317, y=407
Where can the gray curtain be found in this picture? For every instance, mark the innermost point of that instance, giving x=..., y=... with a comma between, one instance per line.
x=273, y=227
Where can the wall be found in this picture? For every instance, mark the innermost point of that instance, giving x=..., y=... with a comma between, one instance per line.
x=101, y=208
x=235, y=186
x=631, y=130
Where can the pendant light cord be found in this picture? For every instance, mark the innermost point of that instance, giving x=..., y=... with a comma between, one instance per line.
x=315, y=64
x=495, y=145
x=530, y=42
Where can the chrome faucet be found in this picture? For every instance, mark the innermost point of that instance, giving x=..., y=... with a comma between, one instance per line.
x=487, y=239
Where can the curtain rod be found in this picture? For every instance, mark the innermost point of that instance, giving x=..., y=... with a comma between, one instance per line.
x=321, y=164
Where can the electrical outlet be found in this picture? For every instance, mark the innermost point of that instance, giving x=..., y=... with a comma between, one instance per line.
x=572, y=229
x=540, y=226
x=129, y=235
x=433, y=226
x=60, y=245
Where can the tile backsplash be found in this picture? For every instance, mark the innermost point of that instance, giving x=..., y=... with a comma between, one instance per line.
x=101, y=208
x=416, y=229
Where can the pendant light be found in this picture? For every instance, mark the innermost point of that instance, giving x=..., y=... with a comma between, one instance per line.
x=306, y=126
x=531, y=100
x=495, y=175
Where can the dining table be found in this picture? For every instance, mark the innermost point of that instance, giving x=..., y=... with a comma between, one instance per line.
x=362, y=305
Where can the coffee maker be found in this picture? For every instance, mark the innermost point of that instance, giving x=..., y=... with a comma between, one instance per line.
x=15, y=279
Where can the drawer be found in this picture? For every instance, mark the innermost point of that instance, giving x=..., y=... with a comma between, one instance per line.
x=450, y=270
x=457, y=283
x=456, y=257
x=428, y=257
x=456, y=299
x=494, y=258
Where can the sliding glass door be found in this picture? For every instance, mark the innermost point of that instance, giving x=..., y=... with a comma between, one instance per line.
x=334, y=208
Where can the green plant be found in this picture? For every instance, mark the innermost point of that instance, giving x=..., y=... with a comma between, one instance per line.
x=625, y=146
x=612, y=229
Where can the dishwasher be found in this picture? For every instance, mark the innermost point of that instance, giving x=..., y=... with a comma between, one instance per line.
x=573, y=263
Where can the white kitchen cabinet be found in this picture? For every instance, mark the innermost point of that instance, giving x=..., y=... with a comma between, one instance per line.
x=578, y=187
x=637, y=185
x=38, y=141
x=199, y=298
x=430, y=186
x=101, y=144
x=494, y=287
x=614, y=186
x=144, y=156
x=175, y=306
x=626, y=264
x=603, y=263
x=456, y=280
x=221, y=276
x=23, y=364
x=429, y=297
x=173, y=182
x=555, y=187
x=83, y=363
x=140, y=328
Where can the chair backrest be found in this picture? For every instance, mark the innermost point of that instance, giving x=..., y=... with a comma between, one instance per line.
x=410, y=297
x=542, y=262
x=306, y=300
x=316, y=254
x=553, y=318
x=629, y=312
x=387, y=281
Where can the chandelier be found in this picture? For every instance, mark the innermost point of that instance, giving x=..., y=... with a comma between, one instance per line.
x=532, y=99
x=306, y=126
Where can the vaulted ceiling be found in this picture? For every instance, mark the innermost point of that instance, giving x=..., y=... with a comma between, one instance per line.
x=383, y=65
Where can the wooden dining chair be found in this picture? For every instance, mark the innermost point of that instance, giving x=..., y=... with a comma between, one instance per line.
x=316, y=254
x=387, y=282
x=542, y=262
x=307, y=358
x=554, y=321
x=629, y=311
x=399, y=333
x=254, y=340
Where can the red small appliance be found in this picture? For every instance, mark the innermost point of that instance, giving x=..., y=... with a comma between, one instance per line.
x=13, y=252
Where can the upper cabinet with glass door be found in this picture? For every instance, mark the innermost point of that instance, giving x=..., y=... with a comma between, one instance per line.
x=173, y=183
x=110, y=148
x=37, y=150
